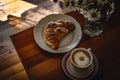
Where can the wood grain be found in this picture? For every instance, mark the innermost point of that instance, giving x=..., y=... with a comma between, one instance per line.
x=42, y=65
x=11, y=68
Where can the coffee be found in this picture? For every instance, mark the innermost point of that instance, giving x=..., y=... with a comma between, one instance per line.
x=81, y=57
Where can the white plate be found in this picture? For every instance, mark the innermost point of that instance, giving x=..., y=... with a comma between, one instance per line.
x=70, y=41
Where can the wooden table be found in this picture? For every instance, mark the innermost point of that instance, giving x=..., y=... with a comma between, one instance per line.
x=42, y=65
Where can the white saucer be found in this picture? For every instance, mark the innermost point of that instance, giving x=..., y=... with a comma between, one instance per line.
x=79, y=75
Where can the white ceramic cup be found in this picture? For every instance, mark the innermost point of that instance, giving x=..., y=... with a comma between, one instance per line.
x=81, y=58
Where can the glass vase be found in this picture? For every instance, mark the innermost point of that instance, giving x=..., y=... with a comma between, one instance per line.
x=93, y=29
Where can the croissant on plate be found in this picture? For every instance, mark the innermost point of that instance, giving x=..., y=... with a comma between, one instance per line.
x=55, y=31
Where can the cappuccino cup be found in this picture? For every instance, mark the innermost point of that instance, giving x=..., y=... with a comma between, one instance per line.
x=81, y=58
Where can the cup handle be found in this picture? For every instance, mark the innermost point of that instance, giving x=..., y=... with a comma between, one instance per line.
x=89, y=49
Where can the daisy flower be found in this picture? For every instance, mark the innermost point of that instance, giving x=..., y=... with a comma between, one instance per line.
x=70, y=5
x=93, y=15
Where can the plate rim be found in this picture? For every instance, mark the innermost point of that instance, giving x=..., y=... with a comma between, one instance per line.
x=74, y=44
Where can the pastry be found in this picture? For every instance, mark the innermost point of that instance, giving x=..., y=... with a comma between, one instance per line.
x=55, y=31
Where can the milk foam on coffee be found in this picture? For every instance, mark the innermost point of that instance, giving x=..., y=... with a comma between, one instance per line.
x=81, y=59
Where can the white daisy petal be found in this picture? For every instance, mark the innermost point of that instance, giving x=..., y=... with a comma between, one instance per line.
x=93, y=15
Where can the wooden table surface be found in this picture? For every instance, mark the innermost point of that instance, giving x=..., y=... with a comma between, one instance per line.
x=42, y=65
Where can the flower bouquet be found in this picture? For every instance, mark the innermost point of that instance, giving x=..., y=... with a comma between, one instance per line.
x=96, y=13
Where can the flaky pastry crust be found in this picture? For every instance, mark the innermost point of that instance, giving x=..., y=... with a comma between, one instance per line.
x=55, y=31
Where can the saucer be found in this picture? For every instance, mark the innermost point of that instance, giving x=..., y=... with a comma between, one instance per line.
x=75, y=74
